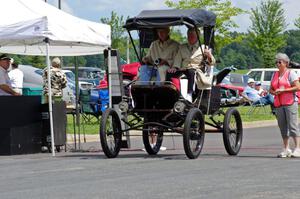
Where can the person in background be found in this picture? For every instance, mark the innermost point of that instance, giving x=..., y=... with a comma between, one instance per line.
x=284, y=85
x=188, y=58
x=252, y=94
x=161, y=51
x=5, y=84
x=260, y=90
x=58, y=81
x=16, y=77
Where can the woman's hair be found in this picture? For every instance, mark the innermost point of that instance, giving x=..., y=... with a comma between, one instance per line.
x=283, y=57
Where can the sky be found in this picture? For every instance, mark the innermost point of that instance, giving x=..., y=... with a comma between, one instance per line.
x=94, y=10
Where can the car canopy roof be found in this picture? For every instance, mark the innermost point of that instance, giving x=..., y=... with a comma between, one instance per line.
x=172, y=17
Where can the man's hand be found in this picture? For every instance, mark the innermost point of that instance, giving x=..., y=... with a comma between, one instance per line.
x=172, y=70
x=207, y=53
x=163, y=62
x=145, y=60
x=16, y=94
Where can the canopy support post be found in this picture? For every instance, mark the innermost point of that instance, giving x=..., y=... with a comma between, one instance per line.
x=50, y=95
x=77, y=102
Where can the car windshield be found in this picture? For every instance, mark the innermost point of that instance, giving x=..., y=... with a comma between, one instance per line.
x=39, y=71
x=90, y=74
x=70, y=75
x=256, y=75
x=226, y=80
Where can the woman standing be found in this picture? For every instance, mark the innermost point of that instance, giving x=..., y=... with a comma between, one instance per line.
x=284, y=85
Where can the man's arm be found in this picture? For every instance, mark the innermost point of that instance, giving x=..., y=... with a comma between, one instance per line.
x=147, y=59
x=7, y=89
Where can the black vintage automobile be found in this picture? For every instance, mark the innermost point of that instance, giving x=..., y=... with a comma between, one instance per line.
x=155, y=108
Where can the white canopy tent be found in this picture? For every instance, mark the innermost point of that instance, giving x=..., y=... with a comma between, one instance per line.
x=33, y=27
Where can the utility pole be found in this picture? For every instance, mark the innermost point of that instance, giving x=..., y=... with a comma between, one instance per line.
x=59, y=4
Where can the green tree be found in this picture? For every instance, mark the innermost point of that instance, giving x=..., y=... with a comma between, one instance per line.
x=177, y=36
x=70, y=61
x=297, y=22
x=239, y=55
x=95, y=61
x=292, y=48
x=36, y=61
x=268, y=24
x=224, y=11
x=118, y=37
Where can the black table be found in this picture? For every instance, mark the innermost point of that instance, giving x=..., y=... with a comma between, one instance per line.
x=20, y=124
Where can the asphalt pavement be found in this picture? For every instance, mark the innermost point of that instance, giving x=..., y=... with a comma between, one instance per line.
x=254, y=173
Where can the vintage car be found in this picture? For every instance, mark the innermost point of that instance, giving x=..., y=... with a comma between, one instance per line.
x=155, y=108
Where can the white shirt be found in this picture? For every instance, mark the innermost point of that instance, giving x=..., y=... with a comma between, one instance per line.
x=4, y=79
x=16, y=78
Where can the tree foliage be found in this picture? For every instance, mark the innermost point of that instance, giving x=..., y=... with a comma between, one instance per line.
x=239, y=54
x=268, y=24
x=297, y=22
x=224, y=11
x=118, y=36
x=292, y=48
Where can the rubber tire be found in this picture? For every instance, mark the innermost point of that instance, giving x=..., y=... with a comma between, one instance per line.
x=117, y=133
x=57, y=148
x=193, y=114
x=232, y=148
x=159, y=139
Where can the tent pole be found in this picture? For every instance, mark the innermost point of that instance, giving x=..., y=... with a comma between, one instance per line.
x=77, y=102
x=49, y=95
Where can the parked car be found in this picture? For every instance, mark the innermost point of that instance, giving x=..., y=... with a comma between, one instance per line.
x=88, y=74
x=82, y=84
x=238, y=79
x=230, y=90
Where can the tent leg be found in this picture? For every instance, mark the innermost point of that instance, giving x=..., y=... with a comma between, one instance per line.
x=77, y=102
x=49, y=96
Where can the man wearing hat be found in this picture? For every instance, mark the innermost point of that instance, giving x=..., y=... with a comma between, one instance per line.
x=161, y=52
x=189, y=58
x=5, y=84
x=260, y=90
x=253, y=95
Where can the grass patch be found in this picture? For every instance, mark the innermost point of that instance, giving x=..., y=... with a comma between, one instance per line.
x=87, y=127
x=240, y=71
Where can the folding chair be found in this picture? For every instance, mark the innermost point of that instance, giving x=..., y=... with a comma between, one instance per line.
x=254, y=107
x=89, y=108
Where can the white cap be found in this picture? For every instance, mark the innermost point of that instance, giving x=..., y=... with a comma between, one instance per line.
x=251, y=80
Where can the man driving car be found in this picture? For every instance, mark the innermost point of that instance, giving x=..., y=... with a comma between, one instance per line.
x=162, y=51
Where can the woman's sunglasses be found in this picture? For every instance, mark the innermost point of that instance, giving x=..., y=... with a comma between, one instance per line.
x=279, y=62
